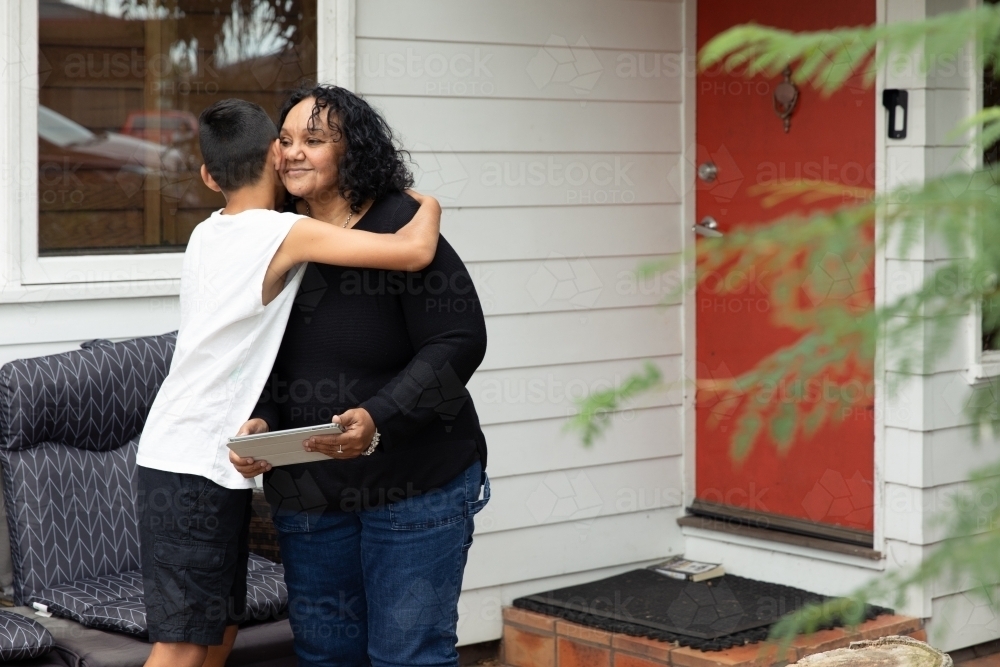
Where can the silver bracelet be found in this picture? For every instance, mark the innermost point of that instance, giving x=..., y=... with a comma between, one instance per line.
x=371, y=447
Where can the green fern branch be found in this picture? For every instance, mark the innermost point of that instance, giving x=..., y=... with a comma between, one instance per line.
x=828, y=59
x=595, y=411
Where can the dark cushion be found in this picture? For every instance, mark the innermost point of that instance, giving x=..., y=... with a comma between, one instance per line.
x=71, y=514
x=127, y=615
x=77, y=600
x=267, y=594
x=69, y=425
x=114, y=602
x=22, y=638
x=96, y=398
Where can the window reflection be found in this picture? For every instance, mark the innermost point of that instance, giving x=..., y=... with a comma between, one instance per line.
x=122, y=84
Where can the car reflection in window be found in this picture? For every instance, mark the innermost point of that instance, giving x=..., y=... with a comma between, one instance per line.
x=67, y=148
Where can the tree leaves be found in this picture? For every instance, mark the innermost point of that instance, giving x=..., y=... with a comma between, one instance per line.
x=828, y=59
x=597, y=409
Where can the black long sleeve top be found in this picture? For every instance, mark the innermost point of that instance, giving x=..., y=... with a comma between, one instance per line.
x=402, y=346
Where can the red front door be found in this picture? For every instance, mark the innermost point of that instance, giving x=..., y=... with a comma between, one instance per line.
x=824, y=480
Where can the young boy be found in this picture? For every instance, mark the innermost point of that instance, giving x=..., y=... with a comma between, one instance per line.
x=241, y=272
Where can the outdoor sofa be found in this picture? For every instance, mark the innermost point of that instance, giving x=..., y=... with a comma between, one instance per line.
x=69, y=428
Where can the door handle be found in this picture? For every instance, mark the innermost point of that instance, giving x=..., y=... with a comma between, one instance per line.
x=707, y=171
x=708, y=227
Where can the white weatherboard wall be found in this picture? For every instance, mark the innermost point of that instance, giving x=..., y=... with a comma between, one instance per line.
x=551, y=132
x=930, y=449
x=552, y=152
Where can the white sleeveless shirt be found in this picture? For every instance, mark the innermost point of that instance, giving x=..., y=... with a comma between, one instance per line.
x=226, y=345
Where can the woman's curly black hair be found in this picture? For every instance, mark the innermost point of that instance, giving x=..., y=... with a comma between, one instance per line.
x=372, y=164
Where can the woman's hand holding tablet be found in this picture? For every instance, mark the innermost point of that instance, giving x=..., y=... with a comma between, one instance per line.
x=255, y=450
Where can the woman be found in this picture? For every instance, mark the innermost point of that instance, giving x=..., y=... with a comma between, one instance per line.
x=374, y=542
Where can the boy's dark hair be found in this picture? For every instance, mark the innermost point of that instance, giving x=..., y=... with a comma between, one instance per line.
x=372, y=164
x=235, y=137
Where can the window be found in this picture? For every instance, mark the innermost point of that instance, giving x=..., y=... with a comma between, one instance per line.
x=121, y=84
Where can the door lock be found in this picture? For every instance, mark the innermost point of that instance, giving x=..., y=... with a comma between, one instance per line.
x=708, y=227
x=707, y=171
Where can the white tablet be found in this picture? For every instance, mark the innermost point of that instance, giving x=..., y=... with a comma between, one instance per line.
x=282, y=448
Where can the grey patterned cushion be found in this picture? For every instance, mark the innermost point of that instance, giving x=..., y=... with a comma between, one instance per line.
x=115, y=602
x=72, y=514
x=22, y=637
x=95, y=398
x=76, y=600
x=267, y=594
x=68, y=429
x=126, y=615
x=255, y=562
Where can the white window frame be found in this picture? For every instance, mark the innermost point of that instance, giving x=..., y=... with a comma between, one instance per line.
x=24, y=274
x=984, y=365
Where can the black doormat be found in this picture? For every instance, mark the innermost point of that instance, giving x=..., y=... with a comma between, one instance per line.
x=710, y=615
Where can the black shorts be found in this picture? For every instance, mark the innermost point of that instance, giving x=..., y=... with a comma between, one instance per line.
x=193, y=537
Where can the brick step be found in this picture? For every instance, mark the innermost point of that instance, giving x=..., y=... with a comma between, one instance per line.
x=536, y=640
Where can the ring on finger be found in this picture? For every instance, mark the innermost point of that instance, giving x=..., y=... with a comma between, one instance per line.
x=340, y=449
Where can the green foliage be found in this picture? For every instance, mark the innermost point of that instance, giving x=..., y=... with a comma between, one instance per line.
x=957, y=215
x=597, y=409
x=839, y=335
x=828, y=59
x=989, y=120
x=966, y=560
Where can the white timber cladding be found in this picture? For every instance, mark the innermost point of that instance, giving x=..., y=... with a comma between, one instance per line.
x=930, y=448
x=552, y=132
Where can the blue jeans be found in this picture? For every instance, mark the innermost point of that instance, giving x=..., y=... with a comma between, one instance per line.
x=380, y=587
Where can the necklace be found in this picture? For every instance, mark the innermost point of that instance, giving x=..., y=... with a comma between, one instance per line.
x=350, y=215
